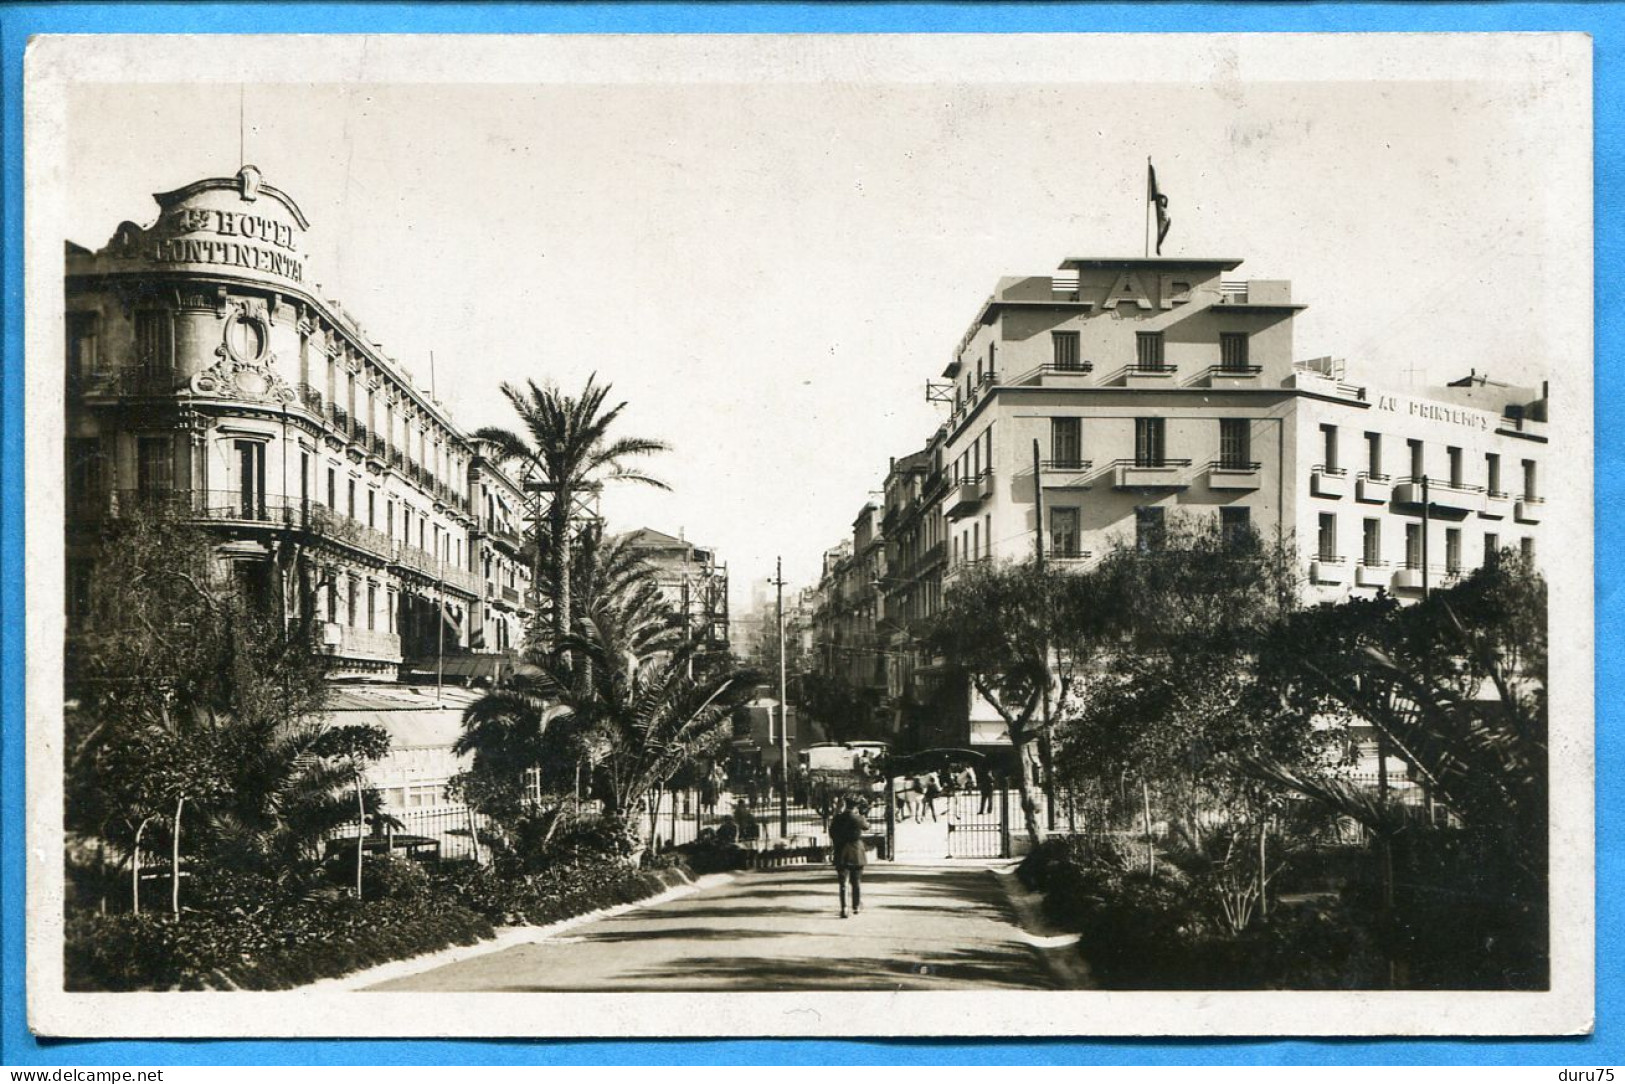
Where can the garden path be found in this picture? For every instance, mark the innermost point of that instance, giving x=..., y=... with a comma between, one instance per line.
x=922, y=928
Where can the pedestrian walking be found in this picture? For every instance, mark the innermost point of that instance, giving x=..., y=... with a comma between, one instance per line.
x=933, y=790
x=985, y=785
x=846, y=832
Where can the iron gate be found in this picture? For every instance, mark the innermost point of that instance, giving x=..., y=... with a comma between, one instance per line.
x=976, y=826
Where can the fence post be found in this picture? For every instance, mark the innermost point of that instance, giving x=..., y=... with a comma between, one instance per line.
x=891, y=820
x=1004, y=822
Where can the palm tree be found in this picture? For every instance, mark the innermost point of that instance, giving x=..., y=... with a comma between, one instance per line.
x=524, y=726
x=566, y=448
x=291, y=785
x=613, y=582
x=647, y=717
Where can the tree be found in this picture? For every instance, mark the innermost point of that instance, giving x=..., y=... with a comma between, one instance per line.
x=644, y=719
x=1178, y=708
x=1021, y=634
x=566, y=447
x=172, y=686
x=527, y=730
x=351, y=749
x=1455, y=685
x=291, y=784
x=843, y=709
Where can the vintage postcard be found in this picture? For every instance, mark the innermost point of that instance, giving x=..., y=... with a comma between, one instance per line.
x=809, y=535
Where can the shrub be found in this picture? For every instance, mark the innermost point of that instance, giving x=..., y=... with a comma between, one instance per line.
x=715, y=857
x=1320, y=946
x=551, y=895
x=389, y=877
x=275, y=949
x=592, y=839
x=1140, y=930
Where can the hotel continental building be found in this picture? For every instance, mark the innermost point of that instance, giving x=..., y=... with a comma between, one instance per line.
x=207, y=374
x=1159, y=388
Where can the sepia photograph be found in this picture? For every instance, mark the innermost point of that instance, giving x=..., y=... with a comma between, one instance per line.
x=810, y=534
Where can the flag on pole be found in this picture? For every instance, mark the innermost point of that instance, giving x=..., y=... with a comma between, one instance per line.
x=1159, y=201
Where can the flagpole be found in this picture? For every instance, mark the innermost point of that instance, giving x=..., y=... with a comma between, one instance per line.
x=1148, y=206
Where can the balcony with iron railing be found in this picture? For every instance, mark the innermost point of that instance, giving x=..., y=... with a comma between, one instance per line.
x=1148, y=374
x=501, y=532
x=909, y=566
x=311, y=399
x=1146, y=473
x=1232, y=376
x=1497, y=503
x=341, y=528
x=962, y=567
x=1329, y=568
x=338, y=417
x=1064, y=473
x=235, y=508
x=1051, y=374
x=967, y=495
x=1373, y=487
x=137, y=381
x=1234, y=472
x=1068, y=556
x=373, y=645
x=1410, y=576
x=360, y=433
x=425, y=564
x=1439, y=494
x=1530, y=508
x=1328, y=481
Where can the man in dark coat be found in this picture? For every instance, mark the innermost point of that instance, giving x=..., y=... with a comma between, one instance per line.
x=846, y=831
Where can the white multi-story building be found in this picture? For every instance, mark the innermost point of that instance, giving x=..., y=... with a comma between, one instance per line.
x=207, y=376
x=1126, y=392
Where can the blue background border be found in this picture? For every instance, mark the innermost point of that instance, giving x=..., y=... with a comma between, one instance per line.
x=1606, y=22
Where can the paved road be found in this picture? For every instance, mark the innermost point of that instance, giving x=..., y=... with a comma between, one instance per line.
x=922, y=928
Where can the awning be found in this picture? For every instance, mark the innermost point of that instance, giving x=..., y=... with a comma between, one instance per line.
x=412, y=715
x=490, y=667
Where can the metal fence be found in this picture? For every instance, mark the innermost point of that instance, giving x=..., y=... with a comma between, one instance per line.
x=976, y=826
x=451, y=827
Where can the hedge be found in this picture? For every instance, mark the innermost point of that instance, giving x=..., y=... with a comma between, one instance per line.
x=553, y=895
x=1142, y=931
x=281, y=945
x=280, y=948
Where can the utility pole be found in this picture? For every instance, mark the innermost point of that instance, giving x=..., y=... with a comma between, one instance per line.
x=1038, y=551
x=1038, y=506
x=784, y=712
x=1427, y=520
x=440, y=634
x=688, y=631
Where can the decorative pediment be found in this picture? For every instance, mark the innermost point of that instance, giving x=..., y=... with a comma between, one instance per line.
x=252, y=382
x=246, y=369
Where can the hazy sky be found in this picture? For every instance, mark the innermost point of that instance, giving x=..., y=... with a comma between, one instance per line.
x=769, y=271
